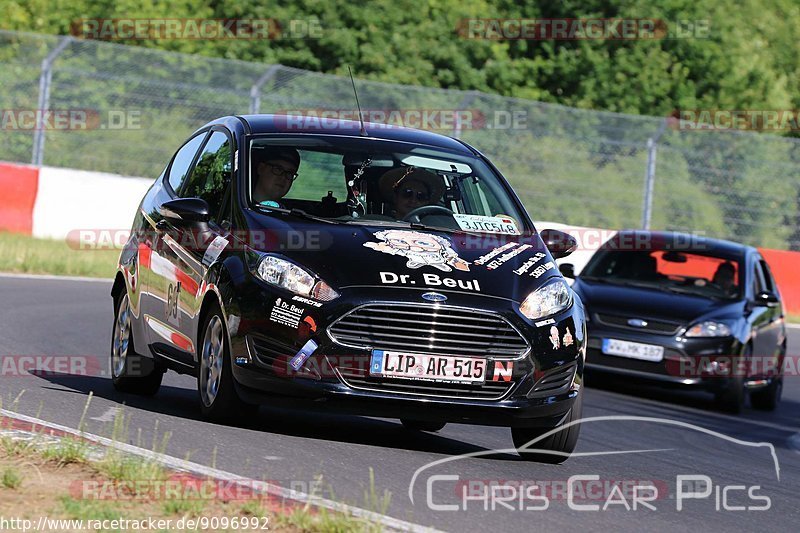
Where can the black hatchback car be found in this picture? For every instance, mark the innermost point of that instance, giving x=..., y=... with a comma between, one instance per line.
x=369, y=270
x=678, y=309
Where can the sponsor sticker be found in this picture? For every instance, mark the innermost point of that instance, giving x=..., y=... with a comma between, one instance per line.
x=502, y=224
x=305, y=352
x=535, y=258
x=538, y=271
x=420, y=249
x=545, y=322
x=285, y=313
x=494, y=263
x=430, y=280
x=554, y=337
x=502, y=371
x=307, y=301
x=494, y=253
x=214, y=249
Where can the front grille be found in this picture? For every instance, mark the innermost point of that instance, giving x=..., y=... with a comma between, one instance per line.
x=269, y=352
x=429, y=329
x=555, y=382
x=490, y=390
x=658, y=327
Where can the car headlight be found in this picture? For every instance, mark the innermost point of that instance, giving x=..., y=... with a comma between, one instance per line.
x=708, y=328
x=291, y=277
x=546, y=300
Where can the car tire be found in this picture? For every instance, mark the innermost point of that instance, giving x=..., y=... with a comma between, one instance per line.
x=219, y=400
x=732, y=399
x=562, y=442
x=767, y=399
x=422, y=425
x=130, y=372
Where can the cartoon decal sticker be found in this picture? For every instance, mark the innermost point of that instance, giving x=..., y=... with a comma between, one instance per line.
x=502, y=371
x=535, y=258
x=285, y=313
x=554, y=337
x=567, y=338
x=421, y=249
x=214, y=249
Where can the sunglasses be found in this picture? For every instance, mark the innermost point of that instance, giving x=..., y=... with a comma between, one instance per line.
x=409, y=193
x=287, y=173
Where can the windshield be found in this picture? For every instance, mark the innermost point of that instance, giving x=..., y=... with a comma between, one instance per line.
x=365, y=180
x=680, y=272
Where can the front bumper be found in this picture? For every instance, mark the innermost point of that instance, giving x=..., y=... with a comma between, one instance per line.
x=540, y=390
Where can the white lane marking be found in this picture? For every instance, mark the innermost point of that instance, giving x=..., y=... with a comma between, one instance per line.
x=272, y=458
x=48, y=277
x=174, y=463
x=109, y=416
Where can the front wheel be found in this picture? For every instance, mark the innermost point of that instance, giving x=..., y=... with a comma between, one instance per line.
x=218, y=397
x=768, y=398
x=555, y=448
x=130, y=372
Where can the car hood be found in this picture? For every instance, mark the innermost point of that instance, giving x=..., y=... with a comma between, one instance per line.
x=640, y=302
x=353, y=255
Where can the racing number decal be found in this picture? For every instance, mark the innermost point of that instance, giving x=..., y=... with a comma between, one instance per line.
x=173, y=293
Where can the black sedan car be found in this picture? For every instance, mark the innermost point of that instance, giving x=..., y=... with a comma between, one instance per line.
x=677, y=309
x=368, y=269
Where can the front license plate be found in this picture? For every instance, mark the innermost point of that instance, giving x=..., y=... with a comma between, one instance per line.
x=633, y=350
x=427, y=367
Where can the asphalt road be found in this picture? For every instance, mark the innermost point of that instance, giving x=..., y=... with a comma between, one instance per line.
x=72, y=319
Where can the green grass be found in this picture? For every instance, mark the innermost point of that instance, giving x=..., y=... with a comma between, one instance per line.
x=79, y=509
x=67, y=451
x=11, y=478
x=792, y=318
x=24, y=254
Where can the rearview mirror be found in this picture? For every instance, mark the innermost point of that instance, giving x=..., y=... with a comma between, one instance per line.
x=767, y=299
x=559, y=243
x=185, y=211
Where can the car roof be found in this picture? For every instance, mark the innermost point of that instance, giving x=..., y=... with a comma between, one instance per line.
x=259, y=124
x=708, y=245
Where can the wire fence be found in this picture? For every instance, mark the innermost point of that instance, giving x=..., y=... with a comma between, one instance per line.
x=568, y=165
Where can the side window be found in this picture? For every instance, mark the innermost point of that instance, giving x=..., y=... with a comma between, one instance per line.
x=183, y=159
x=211, y=174
x=769, y=282
x=758, y=279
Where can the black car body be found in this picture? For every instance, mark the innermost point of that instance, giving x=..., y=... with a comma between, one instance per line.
x=660, y=290
x=193, y=280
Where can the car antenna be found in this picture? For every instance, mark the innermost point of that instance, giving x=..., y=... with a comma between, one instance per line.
x=363, y=131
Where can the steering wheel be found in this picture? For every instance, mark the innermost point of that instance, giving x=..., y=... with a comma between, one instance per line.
x=416, y=214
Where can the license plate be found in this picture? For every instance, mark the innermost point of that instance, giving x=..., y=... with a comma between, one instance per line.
x=633, y=350
x=444, y=368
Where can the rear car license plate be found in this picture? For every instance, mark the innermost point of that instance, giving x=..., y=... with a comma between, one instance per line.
x=444, y=368
x=633, y=350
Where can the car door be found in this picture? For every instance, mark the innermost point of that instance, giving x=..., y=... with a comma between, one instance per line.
x=775, y=331
x=155, y=262
x=761, y=316
x=189, y=250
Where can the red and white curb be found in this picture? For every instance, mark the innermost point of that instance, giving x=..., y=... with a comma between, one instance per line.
x=43, y=433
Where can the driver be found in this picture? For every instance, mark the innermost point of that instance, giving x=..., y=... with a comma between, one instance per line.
x=409, y=188
x=274, y=171
x=725, y=277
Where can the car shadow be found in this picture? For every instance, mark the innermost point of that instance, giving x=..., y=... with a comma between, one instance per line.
x=184, y=403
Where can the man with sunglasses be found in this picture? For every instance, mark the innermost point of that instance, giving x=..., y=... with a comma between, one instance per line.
x=274, y=169
x=409, y=188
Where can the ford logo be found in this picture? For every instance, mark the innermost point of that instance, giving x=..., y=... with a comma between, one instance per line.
x=434, y=297
x=637, y=323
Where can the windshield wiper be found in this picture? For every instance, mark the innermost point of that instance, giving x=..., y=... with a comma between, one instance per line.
x=296, y=212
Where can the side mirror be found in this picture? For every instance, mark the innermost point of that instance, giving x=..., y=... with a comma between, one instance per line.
x=559, y=243
x=767, y=299
x=567, y=270
x=185, y=211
